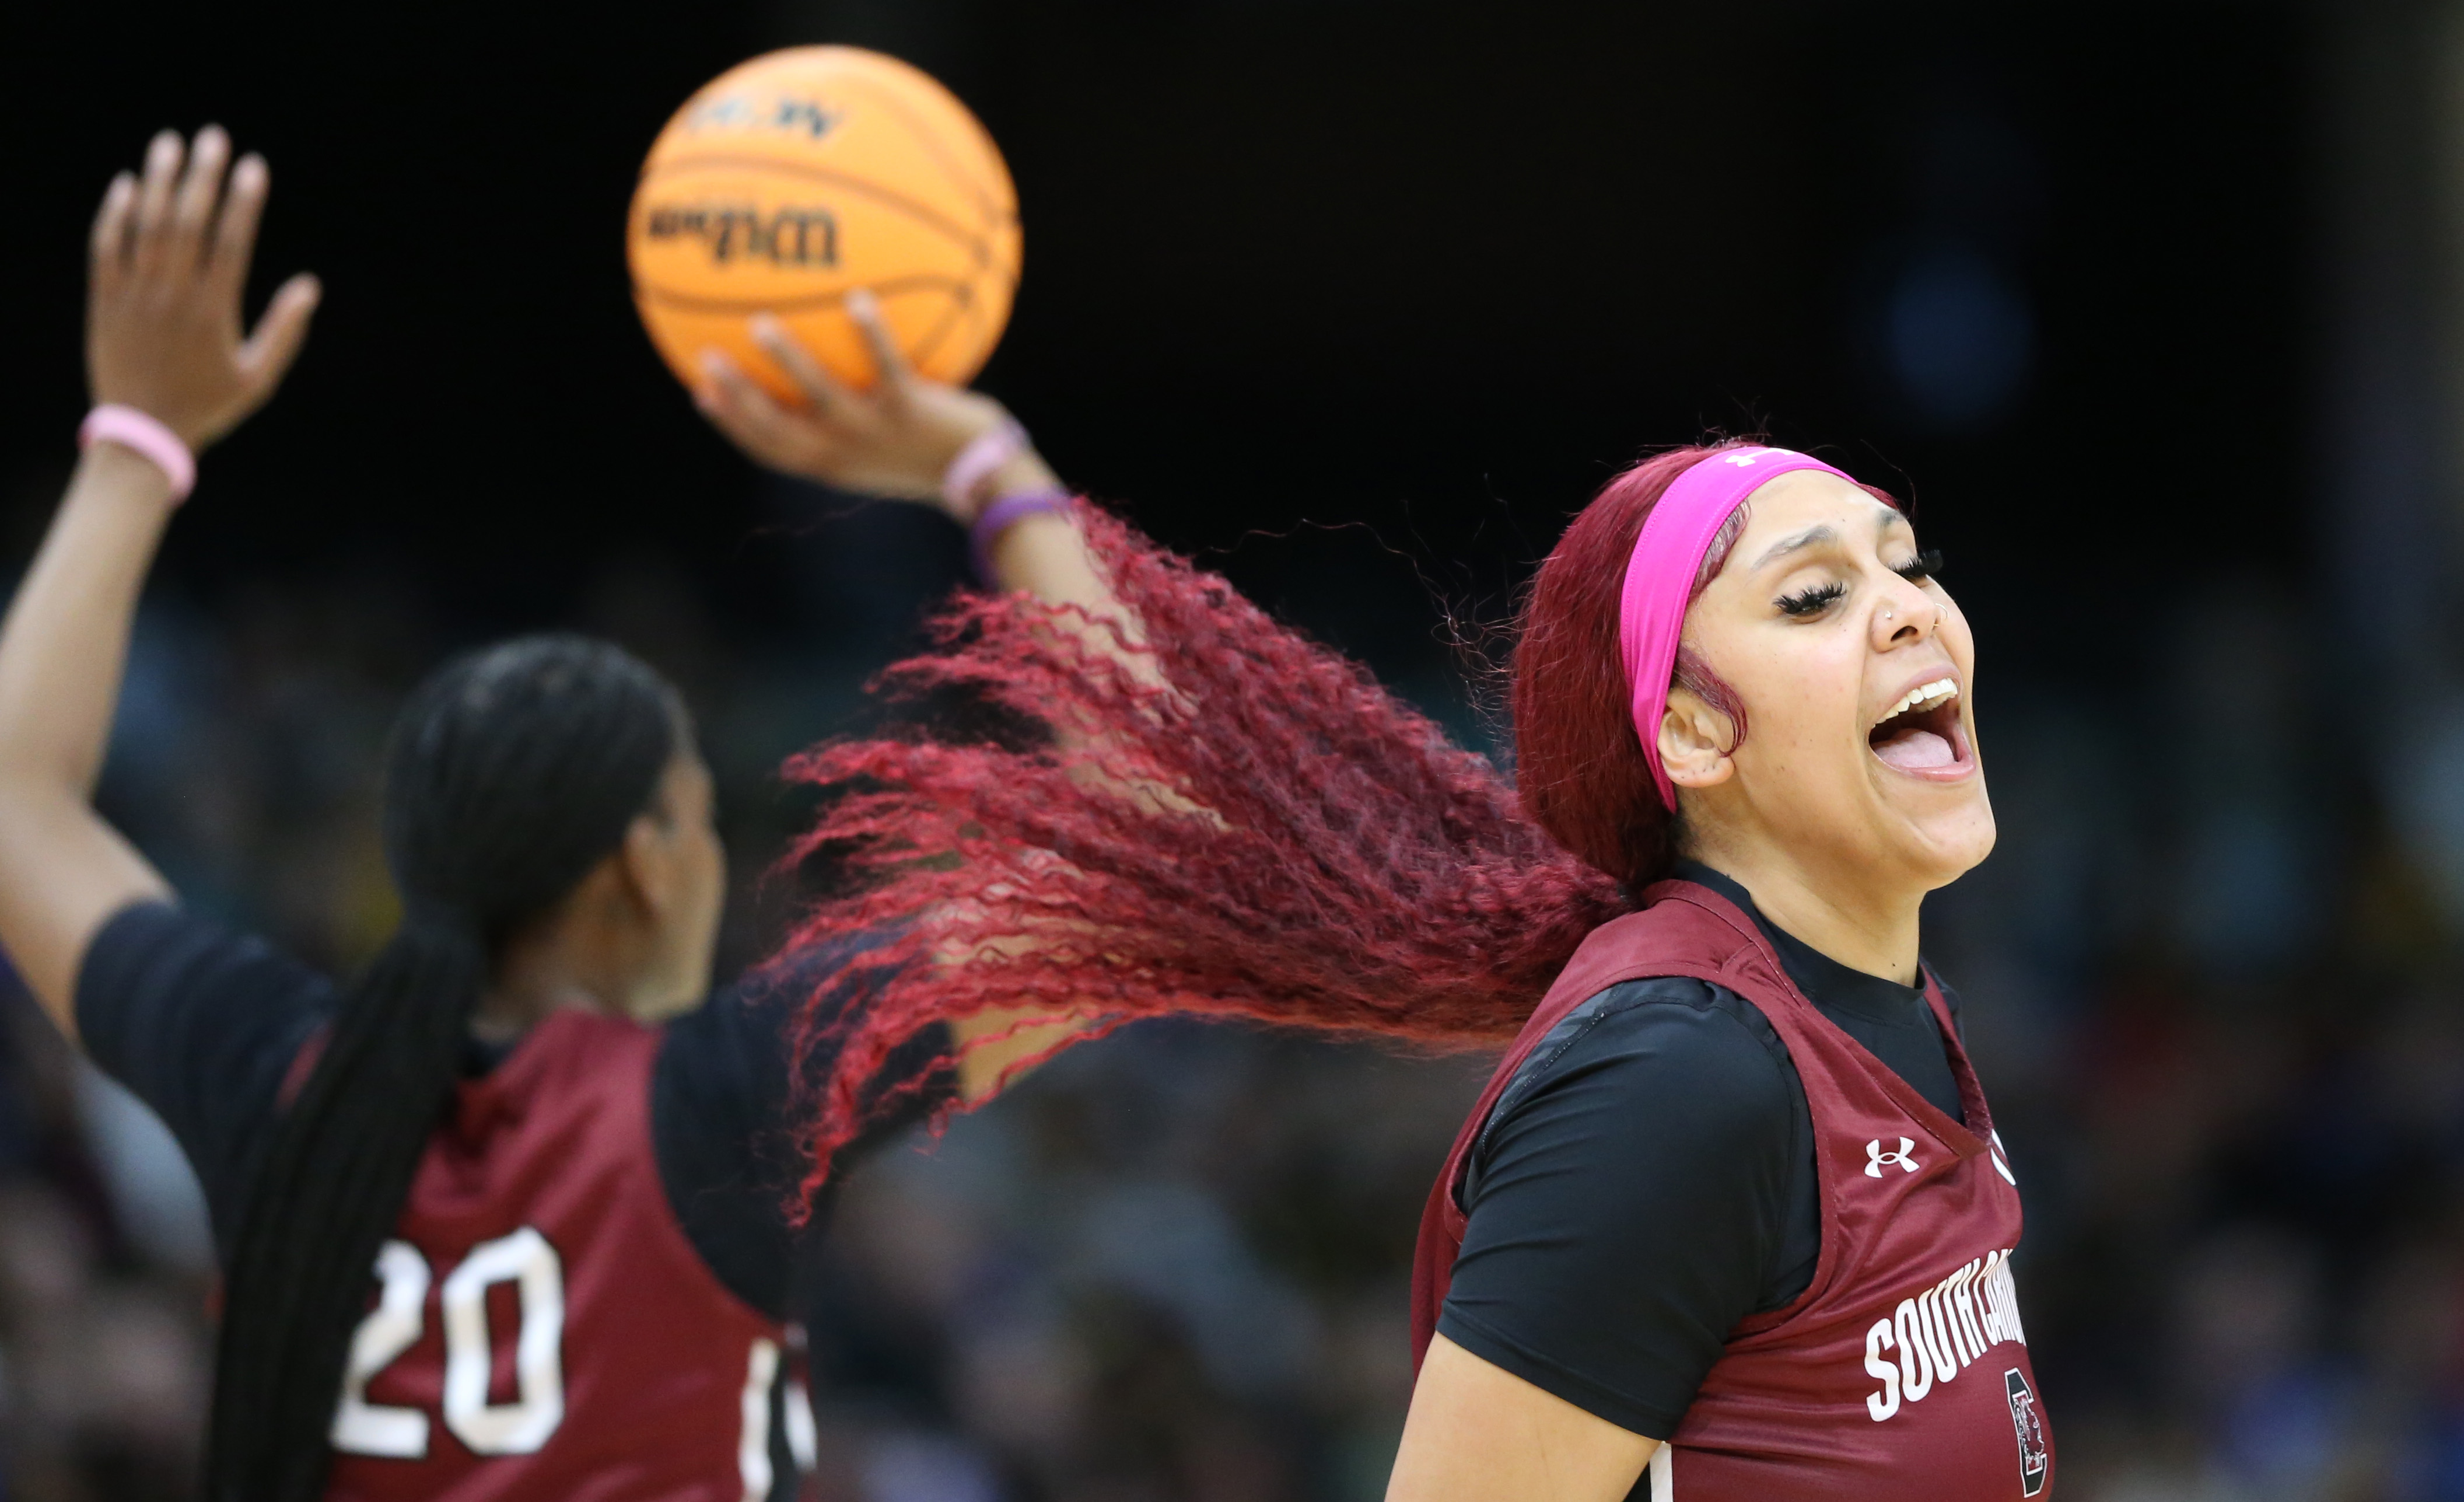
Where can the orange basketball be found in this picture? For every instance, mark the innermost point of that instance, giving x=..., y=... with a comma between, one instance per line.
x=794, y=179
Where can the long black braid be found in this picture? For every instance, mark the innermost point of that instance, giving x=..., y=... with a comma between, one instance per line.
x=510, y=774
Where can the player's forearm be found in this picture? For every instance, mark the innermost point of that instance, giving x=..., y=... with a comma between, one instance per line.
x=992, y=1044
x=1043, y=553
x=63, y=871
x=65, y=641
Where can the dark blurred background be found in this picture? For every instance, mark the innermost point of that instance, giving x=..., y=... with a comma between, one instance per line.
x=2150, y=309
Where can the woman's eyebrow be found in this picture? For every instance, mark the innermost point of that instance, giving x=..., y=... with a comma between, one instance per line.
x=1811, y=537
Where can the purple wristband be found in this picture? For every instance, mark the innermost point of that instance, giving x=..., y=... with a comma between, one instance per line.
x=1003, y=514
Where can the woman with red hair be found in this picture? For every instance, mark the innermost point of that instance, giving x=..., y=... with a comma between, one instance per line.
x=1730, y=1221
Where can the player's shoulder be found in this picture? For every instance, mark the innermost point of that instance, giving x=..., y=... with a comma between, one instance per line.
x=161, y=988
x=157, y=942
x=1655, y=1025
x=742, y=1023
x=1664, y=1047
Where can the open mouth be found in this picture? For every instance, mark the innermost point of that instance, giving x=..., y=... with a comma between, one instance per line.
x=1922, y=734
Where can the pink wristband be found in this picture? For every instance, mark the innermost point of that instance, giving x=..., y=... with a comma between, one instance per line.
x=984, y=453
x=142, y=433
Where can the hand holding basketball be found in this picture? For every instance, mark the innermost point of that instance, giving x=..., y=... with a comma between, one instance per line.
x=171, y=256
x=897, y=438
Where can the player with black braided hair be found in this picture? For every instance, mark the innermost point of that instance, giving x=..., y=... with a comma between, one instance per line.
x=522, y=1115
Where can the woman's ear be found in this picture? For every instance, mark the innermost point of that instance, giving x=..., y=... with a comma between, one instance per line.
x=1694, y=740
x=647, y=863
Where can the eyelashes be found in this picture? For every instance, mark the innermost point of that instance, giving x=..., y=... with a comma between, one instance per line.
x=1813, y=601
x=1925, y=565
x=1819, y=598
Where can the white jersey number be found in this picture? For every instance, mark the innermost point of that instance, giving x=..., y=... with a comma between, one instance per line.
x=524, y=1259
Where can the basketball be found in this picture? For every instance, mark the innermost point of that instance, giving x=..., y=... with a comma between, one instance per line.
x=794, y=179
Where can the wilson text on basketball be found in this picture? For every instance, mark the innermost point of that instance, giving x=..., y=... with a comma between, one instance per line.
x=741, y=232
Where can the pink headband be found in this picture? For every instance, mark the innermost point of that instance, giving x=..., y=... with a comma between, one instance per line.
x=1659, y=577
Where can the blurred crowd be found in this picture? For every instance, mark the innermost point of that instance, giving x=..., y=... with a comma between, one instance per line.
x=2220, y=1011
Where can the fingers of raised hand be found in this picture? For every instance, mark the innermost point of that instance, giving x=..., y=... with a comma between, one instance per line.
x=111, y=234
x=279, y=334
x=234, y=238
x=830, y=398
x=192, y=206
x=151, y=251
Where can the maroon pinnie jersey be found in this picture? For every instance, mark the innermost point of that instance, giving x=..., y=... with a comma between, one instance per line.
x=1902, y=1369
x=541, y=1326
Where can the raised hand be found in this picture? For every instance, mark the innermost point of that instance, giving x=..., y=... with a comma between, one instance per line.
x=896, y=439
x=171, y=259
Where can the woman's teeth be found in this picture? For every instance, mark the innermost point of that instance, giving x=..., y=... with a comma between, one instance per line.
x=1908, y=744
x=1922, y=694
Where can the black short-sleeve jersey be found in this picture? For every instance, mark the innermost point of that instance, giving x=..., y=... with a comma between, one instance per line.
x=204, y=1025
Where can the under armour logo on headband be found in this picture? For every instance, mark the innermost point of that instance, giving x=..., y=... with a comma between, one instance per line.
x=1746, y=456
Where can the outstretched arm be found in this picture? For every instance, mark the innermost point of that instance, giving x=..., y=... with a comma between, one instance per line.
x=171, y=254
x=898, y=440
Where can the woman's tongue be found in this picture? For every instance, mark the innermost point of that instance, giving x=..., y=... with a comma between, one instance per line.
x=1912, y=749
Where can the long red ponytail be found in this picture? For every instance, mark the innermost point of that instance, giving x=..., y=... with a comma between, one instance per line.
x=1245, y=825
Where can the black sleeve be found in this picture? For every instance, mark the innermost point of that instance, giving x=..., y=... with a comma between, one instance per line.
x=728, y=1155
x=203, y=1025
x=1629, y=1199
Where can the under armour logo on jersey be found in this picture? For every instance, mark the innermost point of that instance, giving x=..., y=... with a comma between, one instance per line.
x=1876, y=1159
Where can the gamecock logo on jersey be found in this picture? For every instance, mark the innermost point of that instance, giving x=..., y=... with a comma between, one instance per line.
x=2035, y=1456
